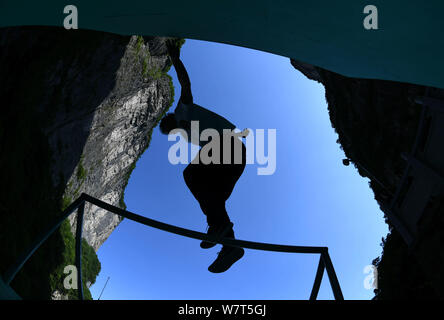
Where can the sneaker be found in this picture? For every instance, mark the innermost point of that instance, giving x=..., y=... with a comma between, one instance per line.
x=225, y=259
x=218, y=232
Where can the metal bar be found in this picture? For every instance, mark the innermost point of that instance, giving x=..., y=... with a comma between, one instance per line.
x=318, y=279
x=200, y=235
x=399, y=225
x=370, y=175
x=407, y=169
x=332, y=276
x=430, y=102
x=103, y=288
x=324, y=261
x=12, y=271
x=421, y=164
x=398, y=190
x=79, y=228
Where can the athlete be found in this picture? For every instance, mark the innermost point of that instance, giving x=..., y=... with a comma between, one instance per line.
x=210, y=183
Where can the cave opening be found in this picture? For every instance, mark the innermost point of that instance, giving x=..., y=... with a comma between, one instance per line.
x=310, y=199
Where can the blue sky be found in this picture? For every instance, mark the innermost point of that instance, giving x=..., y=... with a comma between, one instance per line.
x=311, y=199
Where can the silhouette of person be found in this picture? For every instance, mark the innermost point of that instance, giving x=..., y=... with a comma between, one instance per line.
x=211, y=184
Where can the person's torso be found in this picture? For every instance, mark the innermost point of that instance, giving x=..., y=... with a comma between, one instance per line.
x=203, y=119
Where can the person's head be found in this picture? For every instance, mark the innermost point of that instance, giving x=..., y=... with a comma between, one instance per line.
x=168, y=123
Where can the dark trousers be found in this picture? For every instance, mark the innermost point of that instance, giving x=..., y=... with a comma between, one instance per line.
x=212, y=184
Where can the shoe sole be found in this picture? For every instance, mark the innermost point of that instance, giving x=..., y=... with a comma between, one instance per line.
x=206, y=245
x=227, y=262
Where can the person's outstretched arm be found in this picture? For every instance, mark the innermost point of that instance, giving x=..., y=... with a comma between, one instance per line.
x=185, y=96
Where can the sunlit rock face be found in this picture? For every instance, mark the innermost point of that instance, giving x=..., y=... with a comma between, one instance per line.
x=376, y=121
x=79, y=108
x=118, y=134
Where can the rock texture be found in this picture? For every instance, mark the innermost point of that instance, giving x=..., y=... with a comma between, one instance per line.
x=78, y=108
x=376, y=121
x=78, y=111
x=118, y=135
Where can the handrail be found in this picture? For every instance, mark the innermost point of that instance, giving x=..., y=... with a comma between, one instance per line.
x=402, y=228
x=79, y=204
x=12, y=271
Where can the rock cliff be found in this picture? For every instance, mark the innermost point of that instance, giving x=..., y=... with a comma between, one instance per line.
x=376, y=122
x=78, y=108
x=78, y=111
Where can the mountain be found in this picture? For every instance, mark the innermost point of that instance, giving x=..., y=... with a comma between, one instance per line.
x=377, y=123
x=78, y=110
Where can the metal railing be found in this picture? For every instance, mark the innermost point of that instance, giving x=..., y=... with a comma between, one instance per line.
x=411, y=159
x=79, y=205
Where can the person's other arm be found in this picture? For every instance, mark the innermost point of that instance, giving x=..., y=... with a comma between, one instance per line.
x=185, y=96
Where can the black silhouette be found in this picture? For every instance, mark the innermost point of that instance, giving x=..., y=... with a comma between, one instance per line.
x=211, y=184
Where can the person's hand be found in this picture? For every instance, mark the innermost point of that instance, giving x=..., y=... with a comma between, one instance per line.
x=245, y=133
x=173, y=49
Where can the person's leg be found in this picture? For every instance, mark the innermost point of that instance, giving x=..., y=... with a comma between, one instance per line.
x=230, y=175
x=212, y=185
x=214, y=208
x=222, y=178
x=204, y=183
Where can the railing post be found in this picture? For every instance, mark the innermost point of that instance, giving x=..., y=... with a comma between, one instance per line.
x=79, y=204
x=15, y=268
x=332, y=276
x=79, y=228
x=318, y=279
